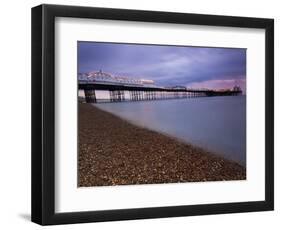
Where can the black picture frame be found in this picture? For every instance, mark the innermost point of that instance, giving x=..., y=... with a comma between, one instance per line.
x=43, y=110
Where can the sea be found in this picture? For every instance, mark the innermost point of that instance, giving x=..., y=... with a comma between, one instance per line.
x=217, y=124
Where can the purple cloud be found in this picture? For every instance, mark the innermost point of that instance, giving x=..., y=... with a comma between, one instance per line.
x=167, y=65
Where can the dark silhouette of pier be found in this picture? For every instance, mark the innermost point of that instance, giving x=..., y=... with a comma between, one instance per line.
x=139, y=91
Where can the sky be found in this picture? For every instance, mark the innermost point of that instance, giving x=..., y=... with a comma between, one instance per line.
x=194, y=67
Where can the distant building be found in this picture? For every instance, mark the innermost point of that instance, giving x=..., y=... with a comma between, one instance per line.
x=178, y=87
x=147, y=82
x=236, y=88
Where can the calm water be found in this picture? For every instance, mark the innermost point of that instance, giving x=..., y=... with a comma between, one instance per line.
x=217, y=124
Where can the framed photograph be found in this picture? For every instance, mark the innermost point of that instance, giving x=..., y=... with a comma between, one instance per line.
x=142, y=114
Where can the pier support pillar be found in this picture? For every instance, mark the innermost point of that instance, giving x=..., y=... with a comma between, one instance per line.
x=111, y=95
x=90, y=96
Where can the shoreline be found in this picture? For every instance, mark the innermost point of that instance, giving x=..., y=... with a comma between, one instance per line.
x=178, y=139
x=121, y=153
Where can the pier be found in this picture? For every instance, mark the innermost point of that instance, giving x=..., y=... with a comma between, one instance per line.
x=140, y=90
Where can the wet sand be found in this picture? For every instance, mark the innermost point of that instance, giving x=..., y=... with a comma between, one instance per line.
x=114, y=152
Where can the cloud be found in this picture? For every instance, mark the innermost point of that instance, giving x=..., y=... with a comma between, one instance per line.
x=166, y=65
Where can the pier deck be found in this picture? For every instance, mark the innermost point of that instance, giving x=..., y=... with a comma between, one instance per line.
x=139, y=92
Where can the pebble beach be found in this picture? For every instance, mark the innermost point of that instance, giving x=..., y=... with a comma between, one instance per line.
x=113, y=151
